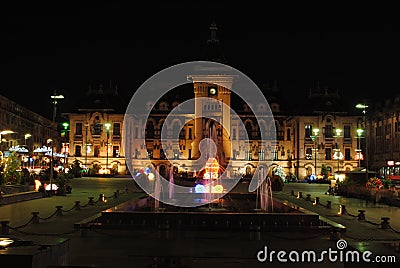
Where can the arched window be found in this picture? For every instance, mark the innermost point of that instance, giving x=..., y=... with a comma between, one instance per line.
x=150, y=130
x=176, y=130
x=249, y=129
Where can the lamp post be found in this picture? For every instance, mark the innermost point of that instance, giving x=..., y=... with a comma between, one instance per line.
x=108, y=126
x=4, y=132
x=364, y=111
x=50, y=143
x=66, y=143
x=54, y=97
x=27, y=136
x=359, y=135
x=315, y=139
x=86, y=143
x=338, y=155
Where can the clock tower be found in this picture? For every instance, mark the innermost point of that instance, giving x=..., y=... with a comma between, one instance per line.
x=212, y=84
x=212, y=112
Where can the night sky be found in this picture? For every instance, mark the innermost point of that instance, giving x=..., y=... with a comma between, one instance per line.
x=66, y=47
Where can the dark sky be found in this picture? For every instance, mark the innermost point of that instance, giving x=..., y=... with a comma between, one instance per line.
x=67, y=47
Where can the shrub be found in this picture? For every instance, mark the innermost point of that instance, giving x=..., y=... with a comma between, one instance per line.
x=94, y=170
x=76, y=169
x=277, y=183
x=11, y=174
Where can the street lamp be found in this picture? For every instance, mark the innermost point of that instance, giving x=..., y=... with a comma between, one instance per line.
x=108, y=126
x=360, y=132
x=86, y=142
x=50, y=143
x=66, y=143
x=55, y=97
x=364, y=111
x=27, y=136
x=315, y=139
x=338, y=153
x=4, y=132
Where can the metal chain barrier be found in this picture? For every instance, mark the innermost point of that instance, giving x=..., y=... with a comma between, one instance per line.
x=41, y=234
x=360, y=216
x=52, y=215
x=35, y=218
x=68, y=210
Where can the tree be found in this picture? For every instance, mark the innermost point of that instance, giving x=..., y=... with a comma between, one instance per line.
x=11, y=174
x=279, y=172
x=324, y=171
x=62, y=181
x=2, y=170
x=76, y=169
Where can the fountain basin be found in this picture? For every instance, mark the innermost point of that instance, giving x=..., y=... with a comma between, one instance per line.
x=234, y=211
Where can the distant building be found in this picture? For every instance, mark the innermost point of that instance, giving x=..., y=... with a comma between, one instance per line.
x=89, y=138
x=383, y=134
x=298, y=148
x=31, y=130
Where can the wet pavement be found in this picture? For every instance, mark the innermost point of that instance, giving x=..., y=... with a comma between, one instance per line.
x=174, y=248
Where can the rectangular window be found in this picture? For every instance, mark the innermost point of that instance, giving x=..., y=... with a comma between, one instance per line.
x=78, y=151
x=328, y=131
x=261, y=155
x=96, y=151
x=248, y=155
x=309, y=153
x=117, y=129
x=347, y=154
x=275, y=155
x=78, y=129
x=328, y=154
x=190, y=134
x=115, y=151
x=150, y=154
x=234, y=134
x=288, y=134
x=308, y=131
x=346, y=132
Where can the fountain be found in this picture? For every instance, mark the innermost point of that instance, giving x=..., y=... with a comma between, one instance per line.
x=214, y=202
x=171, y=184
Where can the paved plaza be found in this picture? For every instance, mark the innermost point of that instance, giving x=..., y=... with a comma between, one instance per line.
x=157, y=248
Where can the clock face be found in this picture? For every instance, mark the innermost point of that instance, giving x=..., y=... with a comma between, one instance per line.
x=213, y=91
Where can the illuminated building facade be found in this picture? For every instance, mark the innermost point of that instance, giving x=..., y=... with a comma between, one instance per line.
x=31, y=130
x=298, y=148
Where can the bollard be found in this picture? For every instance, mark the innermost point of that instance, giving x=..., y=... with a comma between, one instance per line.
x=255, y=232
x=292, y=192
x=164, y=230
x=115, y=194
x=91, y=202
x=342, y=210
x=299, y=194
x=328, y=204
x=101, y=198
x=77, y=205
x=5, y=230
x=361, y=215
x=316, y=202
x=118, y=193
x=84, y=229
x=335, y=234
x=35, y=217
x=385, y=223
x=59, y=211
x=308, y=198
x=126, y=190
